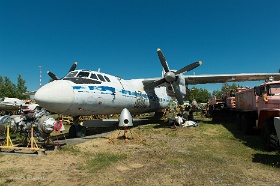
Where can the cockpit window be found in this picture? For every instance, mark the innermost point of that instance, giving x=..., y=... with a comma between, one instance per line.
x=107, y=79
x=100, y=77
x=83, y=74
x=86, y=76
x=71, y=74
x=93, y=76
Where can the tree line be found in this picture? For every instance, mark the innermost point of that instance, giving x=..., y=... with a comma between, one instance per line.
x=9, y=89
x=202, y=95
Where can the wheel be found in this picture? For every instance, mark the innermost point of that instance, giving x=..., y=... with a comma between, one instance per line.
x=81, y=131
x=158, y=114
x=246, y=124
x=238, y=122
x=271, y=142
x=72, y=131
x=243, y=124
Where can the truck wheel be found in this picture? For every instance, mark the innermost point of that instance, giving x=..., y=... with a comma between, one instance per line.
x=238, y=122
x=271, y=141
x=246, y=124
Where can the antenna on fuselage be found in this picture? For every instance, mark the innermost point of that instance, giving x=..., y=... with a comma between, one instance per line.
x=98, y=70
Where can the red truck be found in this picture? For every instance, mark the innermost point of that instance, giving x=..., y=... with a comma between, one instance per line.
x=250, y=108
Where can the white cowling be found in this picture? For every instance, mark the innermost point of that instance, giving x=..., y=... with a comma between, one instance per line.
x=182, y=85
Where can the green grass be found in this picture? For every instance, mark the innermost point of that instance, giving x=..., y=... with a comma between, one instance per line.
x=102, y=160
x=209, y=154
x=231, y=143
x=72, y=149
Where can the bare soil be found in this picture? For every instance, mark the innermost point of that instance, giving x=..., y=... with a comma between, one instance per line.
x=209, y=154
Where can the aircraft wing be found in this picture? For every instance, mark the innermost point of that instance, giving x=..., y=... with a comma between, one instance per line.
x=29, y=93
x=222, y=78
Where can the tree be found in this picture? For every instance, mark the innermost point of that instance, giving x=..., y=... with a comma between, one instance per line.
x=9, y=89
x=200, y=95
x=1, y=87
x=21, y=88
x=225, y=88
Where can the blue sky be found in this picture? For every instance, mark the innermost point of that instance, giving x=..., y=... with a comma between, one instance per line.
x=121, y=37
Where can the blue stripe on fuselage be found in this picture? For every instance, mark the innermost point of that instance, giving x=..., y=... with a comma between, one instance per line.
x=100, y=88
x=126, y=93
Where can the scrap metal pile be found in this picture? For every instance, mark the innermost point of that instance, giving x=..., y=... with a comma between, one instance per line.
x=39, y=119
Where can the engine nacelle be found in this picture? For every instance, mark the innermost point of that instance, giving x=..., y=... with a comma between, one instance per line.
x=182, y=85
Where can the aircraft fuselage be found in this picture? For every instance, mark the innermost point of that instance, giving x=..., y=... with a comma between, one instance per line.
x=78, y=96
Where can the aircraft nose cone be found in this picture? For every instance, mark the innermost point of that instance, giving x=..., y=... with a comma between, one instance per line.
x=56, y=96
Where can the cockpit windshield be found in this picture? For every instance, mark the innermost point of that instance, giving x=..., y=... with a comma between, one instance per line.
x=93, y=76
x=86, y=76
x=83, y=74
x=100, y=77
x=71, y=74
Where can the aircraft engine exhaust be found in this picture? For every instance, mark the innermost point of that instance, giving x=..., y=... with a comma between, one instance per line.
x=125, y=119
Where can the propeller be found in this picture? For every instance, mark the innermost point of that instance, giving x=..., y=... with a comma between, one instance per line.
x=171, y=76
x=73, y=67
x=54, y=77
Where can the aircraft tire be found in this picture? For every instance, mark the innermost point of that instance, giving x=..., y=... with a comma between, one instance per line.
x=72, y=132
x=80, y=131
x=159, y=114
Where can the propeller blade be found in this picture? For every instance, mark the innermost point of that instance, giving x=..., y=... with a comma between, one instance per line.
x=73, y=67
x=52, y=75
x=162, y=60
x=178, y=94
x=188, y=67
x=157, y=83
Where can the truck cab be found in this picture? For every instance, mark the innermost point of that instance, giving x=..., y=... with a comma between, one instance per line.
x=268, y=106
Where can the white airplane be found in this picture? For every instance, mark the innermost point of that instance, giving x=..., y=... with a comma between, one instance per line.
x=11, y=104
x=87, y=92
